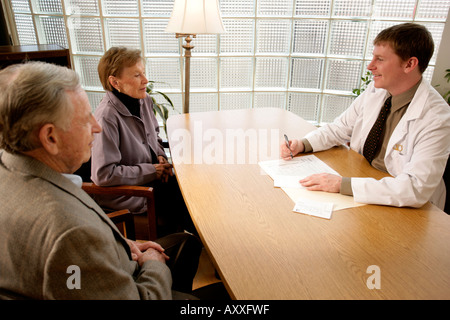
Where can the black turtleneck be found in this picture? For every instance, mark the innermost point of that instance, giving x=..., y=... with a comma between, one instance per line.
x=132, y=104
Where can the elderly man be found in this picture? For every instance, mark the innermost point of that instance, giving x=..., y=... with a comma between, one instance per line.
x=56, y=241
x=400, y=124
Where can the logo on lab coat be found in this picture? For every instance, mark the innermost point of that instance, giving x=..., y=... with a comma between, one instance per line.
x=398, y=147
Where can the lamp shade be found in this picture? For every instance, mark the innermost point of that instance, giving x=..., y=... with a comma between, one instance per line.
x=195, y=17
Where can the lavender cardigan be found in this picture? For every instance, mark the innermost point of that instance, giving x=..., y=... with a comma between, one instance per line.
x=121, y=152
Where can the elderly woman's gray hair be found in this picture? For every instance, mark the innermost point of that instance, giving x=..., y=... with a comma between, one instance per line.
x=31, y=95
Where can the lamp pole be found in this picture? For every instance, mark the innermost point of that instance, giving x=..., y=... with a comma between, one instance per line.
x=187, y=67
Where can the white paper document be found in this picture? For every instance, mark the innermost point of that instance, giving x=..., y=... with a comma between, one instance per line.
x=287, y=173
x=314, y=208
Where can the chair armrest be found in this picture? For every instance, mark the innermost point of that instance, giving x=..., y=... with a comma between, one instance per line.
x=123, y=190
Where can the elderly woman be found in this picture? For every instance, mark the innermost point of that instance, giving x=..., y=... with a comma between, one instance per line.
x=129, y=150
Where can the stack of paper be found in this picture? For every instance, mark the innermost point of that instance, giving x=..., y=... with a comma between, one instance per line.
x=286, y=175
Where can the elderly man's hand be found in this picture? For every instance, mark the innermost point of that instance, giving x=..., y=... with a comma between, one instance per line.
x=145, y=251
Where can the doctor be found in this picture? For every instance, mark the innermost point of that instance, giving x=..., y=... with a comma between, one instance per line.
x=414, y=145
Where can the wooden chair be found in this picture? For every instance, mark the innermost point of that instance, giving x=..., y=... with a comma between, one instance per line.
x=125, y=221
x=145, y=222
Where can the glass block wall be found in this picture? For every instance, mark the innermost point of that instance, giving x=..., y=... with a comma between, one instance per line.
x=302, y=55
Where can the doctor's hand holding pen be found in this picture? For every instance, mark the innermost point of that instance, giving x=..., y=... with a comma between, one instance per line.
x=317, y=182
x=289, y=148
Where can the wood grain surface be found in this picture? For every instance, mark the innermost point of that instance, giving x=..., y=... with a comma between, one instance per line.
x=263, y=250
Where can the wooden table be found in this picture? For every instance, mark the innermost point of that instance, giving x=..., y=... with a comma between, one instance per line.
x=263, y=250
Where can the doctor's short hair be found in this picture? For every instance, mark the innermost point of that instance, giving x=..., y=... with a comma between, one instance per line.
x=33, y=94
x=409, y=40
x=114, y=61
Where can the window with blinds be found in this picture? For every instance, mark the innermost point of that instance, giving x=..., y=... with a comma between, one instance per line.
x=302, y=55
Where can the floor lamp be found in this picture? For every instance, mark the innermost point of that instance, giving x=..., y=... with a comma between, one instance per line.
x=189, y=18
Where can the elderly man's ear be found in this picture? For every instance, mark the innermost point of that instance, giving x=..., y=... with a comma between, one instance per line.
x=48, y=136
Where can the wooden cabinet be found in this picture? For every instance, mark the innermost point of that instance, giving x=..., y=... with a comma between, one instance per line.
x=51, y=53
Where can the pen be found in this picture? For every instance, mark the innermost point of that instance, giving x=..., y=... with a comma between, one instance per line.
x=287, y=145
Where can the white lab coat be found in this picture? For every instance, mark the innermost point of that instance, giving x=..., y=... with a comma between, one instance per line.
x=416, y=154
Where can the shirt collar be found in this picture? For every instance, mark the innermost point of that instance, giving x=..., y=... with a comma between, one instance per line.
x=404, y=98
x=74, y=178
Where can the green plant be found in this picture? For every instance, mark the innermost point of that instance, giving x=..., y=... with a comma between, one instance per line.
x=160, y=108
x=365, y=82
